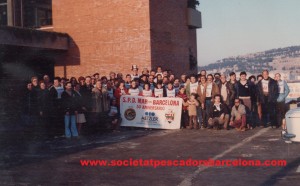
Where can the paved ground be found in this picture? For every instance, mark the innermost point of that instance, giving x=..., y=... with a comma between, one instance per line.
x=57, y=162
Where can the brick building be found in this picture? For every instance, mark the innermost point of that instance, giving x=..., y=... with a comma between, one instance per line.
x=113, y=35
x=101, y=36
x=72, y=38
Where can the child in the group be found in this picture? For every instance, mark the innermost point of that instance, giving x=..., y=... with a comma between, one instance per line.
x=114, y=116
x=146, y=92
x=193, y=103
x=133, y=90
x=159, y=91
x=170, y=91
x=184, y=112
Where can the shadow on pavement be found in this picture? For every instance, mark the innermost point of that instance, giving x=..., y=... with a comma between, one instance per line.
x=19, y=148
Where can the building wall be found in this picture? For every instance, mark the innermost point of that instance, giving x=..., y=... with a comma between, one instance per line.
x=170, y=36
x=107, y=35
x=112, y=35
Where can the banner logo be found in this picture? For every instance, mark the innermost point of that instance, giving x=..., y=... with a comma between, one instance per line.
x=130, y=114
x=149, y=116
x=170, y=116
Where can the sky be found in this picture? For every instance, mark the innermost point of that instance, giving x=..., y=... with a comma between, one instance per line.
x=238, y=27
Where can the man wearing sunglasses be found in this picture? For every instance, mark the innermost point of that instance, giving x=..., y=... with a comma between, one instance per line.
x=238, y=116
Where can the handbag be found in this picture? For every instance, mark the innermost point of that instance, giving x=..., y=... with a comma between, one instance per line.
x=81, y=118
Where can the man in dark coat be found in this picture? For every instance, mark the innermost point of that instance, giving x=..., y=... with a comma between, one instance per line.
x=267, y=94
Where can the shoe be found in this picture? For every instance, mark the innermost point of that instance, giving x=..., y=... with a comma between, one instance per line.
x=283, y=132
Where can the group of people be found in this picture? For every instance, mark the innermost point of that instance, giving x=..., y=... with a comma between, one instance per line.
x=209, y=100
x=215, y=102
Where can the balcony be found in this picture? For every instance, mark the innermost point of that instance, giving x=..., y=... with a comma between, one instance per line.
x=194, y=19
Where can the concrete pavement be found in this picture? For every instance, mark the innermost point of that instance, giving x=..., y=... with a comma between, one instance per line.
x=57, y=161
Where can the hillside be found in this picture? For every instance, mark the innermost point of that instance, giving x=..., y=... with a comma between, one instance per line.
x=287, y=58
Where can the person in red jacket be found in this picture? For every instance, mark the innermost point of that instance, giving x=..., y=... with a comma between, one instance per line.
x=184, y=113
x=120, y=90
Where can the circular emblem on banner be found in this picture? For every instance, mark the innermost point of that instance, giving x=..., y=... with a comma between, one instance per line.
x=130, y=114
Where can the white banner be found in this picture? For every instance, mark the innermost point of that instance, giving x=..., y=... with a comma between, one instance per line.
x=150, y=112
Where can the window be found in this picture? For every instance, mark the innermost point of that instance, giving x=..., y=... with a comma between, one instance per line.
x=3, y=12
x=44, y=17
x=37, y=13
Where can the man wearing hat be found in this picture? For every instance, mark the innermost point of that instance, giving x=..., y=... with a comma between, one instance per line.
x=135, y=70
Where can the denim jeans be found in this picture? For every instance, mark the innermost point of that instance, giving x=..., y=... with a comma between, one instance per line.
x=208, y=104
x=199, y=115
x=70, y=119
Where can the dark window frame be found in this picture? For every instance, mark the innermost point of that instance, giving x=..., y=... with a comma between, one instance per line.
x=5, y=22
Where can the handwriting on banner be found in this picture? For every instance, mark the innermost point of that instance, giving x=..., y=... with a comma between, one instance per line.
x=148, y=104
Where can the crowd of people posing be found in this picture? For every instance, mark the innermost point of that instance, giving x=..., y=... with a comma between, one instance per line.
x=209, y=100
